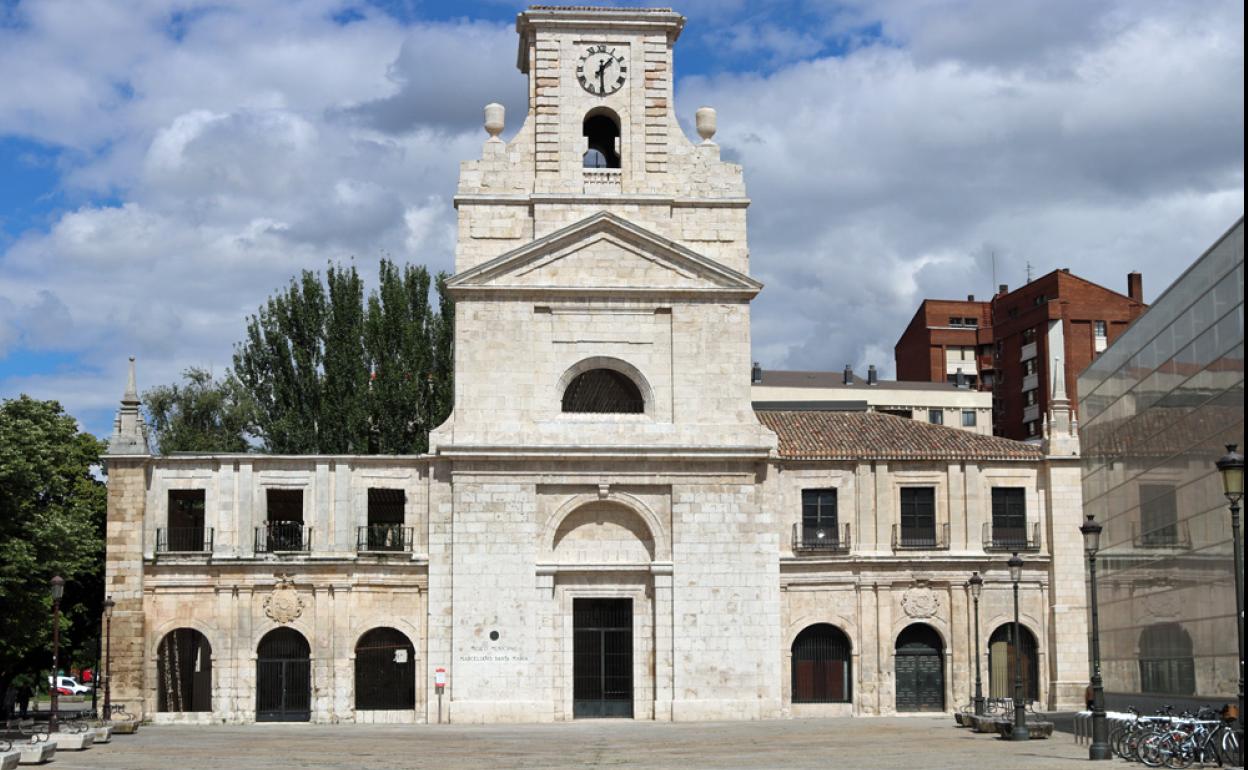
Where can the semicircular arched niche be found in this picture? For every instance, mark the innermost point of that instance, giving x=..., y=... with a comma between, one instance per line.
x=603, y=532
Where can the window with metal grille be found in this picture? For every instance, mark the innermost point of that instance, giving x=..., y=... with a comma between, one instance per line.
x=1166, y=663
x=603, y=391
x=821, y=665
x=385, y=530
x=385, y=671
x=184, y=672
x=819, y=522
x=1009, y=516
x=918, y=516
x=284, y=513
x=186, y=520
x=1159, y=515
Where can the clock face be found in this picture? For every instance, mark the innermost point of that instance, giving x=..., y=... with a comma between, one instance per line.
x=601, y=70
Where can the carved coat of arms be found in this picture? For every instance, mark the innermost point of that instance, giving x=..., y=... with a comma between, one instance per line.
x=285, y=604
x=920, y=603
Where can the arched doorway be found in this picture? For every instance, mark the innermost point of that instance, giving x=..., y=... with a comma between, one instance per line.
x=184, y=672
x=385, y=671
x=919, y=663
x=283, y=677
x=1166, y=663
x=821, y=665
x=1001, y=663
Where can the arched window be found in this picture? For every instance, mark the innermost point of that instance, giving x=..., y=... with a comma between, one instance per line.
x=601, y=130
x=919, y=665
x=283, y=677
x=1001, y=663
x=1166, y=663
x=821, y=665
x=385, y=671
x=603, y=391
x=184, y=672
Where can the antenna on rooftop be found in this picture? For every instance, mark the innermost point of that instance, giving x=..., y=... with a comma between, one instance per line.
x=994, y=269
x=1029, y=271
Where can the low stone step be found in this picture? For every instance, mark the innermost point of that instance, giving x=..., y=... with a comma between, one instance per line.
x=1035, y=730
x=36, y=753
x=72, y=741
x=103, y=734
x=128, y=727
x=9, y=759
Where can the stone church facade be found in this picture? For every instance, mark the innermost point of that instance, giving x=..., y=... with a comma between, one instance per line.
x=605, y=526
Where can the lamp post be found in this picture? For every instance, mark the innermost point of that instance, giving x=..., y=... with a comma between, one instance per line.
x=108, y=660
x=1099, y=748
x=1231, y=466
x=977, y=586
x=58, y=590
x=1020, y=731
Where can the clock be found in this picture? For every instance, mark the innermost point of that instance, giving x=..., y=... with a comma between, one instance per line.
x=601, y=70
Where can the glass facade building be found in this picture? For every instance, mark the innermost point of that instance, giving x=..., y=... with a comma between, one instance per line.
x=1157, y=408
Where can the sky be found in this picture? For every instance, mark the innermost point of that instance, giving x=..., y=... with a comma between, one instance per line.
x=166, y=165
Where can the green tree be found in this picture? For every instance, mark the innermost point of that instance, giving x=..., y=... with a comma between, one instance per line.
x=330, y=372
x=202, y=414
x=52, y=511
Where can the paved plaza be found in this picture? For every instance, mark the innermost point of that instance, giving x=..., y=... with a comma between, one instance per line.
x=912, y=743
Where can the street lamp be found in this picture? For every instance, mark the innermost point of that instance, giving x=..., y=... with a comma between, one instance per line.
x=1231, y=466
x=1020, y=731
x=108, y=660
x=58, y=590
x=977, y=586
x=1099, y=748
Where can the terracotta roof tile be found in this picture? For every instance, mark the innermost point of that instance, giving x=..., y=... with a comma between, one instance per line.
x=813, y=435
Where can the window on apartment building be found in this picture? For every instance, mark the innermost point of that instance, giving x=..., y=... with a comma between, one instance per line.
x=1029, y=398
x=907, y=413
x=1009, y=517
x=971, y=322
x=1031, y=427
x=186, y=522
x=936, y=416
x=918, y=516
x=1040, y=299
x=819, y=523
x=968, y=418
x=955, y=322
x=1159, y=515
x=1100, y=328
x=1029, y=366
x=284, y=515
x=1029, y=335
x=1100, y=336
x=385, y=530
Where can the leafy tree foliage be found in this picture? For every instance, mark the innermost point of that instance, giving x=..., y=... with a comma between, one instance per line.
x=52, y=511
x=331, y=373
x=202, y=414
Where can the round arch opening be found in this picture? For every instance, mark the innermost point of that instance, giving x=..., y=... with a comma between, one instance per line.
x=1001, y=671
x=822, y=665
x=283, y=677
x=385, y=671
x=1167, y=665
x=601, y=129
x=603, y=390
x=919, y=667
x=184, y=672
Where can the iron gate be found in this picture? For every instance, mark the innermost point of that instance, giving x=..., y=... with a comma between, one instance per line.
x=602, y=658
x=385, y=671
x=283, y=677
x=919, y=668
x=821, y=658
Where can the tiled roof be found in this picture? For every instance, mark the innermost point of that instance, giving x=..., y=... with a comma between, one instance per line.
x=811, y=435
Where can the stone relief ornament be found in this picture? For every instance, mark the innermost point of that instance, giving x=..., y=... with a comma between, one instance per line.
x=920, y=603
x=1164, y=604
x=285, y=604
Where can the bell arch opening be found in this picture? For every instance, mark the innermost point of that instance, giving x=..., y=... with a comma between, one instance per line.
x=601, y=130
x=603, y=391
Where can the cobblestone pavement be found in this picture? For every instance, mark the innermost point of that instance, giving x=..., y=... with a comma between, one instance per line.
x=911, y=743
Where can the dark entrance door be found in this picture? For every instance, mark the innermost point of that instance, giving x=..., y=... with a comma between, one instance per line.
x=920, y=670
x=602, y=658
x=283, y=677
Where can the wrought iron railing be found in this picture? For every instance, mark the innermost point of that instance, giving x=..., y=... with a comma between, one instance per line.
x=184, y=540
x=811, y=539
x=1011, y=539
x=934, y=538
x=384, y=538
x=1175, y=535
x=283, y=536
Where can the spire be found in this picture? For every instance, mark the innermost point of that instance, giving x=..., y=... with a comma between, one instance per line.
x=129, y=429
x=1061, y=435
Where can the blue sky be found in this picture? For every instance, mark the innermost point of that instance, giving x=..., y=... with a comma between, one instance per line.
x=168, y=164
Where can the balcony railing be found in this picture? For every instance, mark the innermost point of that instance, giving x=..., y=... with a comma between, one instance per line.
x=820, y=540
x=283, y=537
x=184, y=540
x=929, y=539
x=1011, y=538
x=384, y=538
x=1174, y=535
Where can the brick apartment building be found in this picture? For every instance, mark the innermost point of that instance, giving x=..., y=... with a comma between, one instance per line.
x=1008, y=344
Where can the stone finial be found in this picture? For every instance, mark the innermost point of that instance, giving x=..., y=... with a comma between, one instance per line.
x=129, y=429
x=1059, y=380
x=1061, y=433
x=494, y=113
x=706, y=123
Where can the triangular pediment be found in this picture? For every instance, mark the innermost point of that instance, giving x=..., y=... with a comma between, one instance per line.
x=604, y=253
